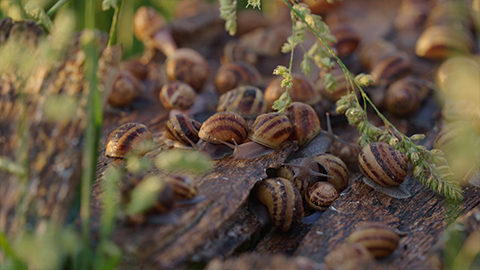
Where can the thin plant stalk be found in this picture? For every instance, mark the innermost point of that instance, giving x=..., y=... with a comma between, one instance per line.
x=113, y=28
x=56, y=7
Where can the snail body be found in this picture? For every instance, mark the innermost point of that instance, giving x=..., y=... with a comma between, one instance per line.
x=379, y=239
x=247, y=101
x=336, y=168
x=230, y=76
x=183, y=129
x=302, y=172
x=177, y=95
x=321, y=195
x=130, y=137
x=283, y=201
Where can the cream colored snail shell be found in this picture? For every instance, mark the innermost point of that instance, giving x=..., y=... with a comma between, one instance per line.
x=235, y=52
x=129, y=137
x=270, y=129
x=283, y=201
x=382, y=164
x=230, y=76
x=177, y=95
x=247, y=101
x=321, y=195
x=188, y=66
x=336, y=168
x=302, y=172
x=348, y=256
x=392, y=67
x=224, y=126
x=182, y=186
x=147, y=22
x=124, y=90
x=305, y=122
x=302, y=91
x=182, y=128
x=379, y=239
x=402, y=99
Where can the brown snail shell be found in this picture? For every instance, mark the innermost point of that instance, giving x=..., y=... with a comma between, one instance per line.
x=412, y=14
x=235, y=52
x=177, y=95
x=341, y=88
x=321, y=6
x=321, y=195
x=302, y=91
x=348, y=256
x=136, y=67
x=347, y=39
x=125, y=88
x=390, y=68
x=182, y=128
x=336, y=168
x=267, y=41
x=182, y=186
x=441, y=42
x=402, y=99
x=283, y=201
x=224, y=126
x=373, y=52
x=270, y=129
x=382, y=164
x=302, y=172
x=380, y=240
x=305, y=122
x=247, y=101
x=188, y=66
x=230, y=76
x=129, y=137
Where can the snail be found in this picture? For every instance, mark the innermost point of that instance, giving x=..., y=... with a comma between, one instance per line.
x=218, y=133
x=402, y=99
x=449, y=13
x=379, y=239
x=392, y=67
x=247, y=101
x=177, y=95
x=283, y=201
x=302, y=172
x=341, y=87
x=336, y=168
x=458, y=79
x=128, y=138
x=371, y=53
x=385, y=169
x=349, y=256
x=235, y=52
x=267, y=41
x=230, y=76
x=412, y=14
x=183, y=129
x=347, y=39
x=440, y=42
x=305, y=122
x=321, y=6
x=321, y=195
x=136, y=67
x=188, y=66
x=124, y=90
x=182, y=186
x=302, y=91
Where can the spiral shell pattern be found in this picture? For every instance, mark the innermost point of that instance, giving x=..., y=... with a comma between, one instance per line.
x=336, y=168
x=247, y=101
x=378, y=238
x=182, y=186
x=270, y=130
x=321, y=195
x=177, y=95
x=180, y=126
x=225, y=126
x=305, y=122
x=128, y=137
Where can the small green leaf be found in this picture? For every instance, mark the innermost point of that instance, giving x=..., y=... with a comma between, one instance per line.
x=184, y=160
x=145, y=194
x=306, y=65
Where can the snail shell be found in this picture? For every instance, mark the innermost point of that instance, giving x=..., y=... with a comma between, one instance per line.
x=230, y=76
x=336, y=168
x=302, y=172
x=182, y=186
x=402, y=99
x=440, y=42
x=177, y=95
x=378, y=238
x=302, y=91
x=382, y=164
x=267, y=41
x=412, y=14
x=458, y=78
x=146, y=22
x=224, y=126
x=270, y=129
x=321, y=195
x=180, y=127
x=390, y=68
x=129, y=137
x=321, y=6
x=136, y=67
x=283, y=201
x=305, y=122
x=188, y=66
x=125, y=88
x=341, y=88
x=247, y=101
x=235, y=52
x=347, y=39
x=373, y=52
x=349, y=256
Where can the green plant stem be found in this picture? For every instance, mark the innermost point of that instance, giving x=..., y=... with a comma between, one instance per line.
x=113, y=28
x=55, y=7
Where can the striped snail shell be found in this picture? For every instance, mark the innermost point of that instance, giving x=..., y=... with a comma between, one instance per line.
x=382, y=164
x=321, y=195
x=177, y=95
x=188, y=66
x=302, y=172
x=235, y=52
x=402, y=99
x=283, y=201
x=270, y=129
x=130, y=137
x=183, y=129
x=224, y=126
x=347, y=39
x=247, y=101
x=305, y=122
x=390, y=68
x=230, y=76
x=336, y=168
x=341, y=88
x=373, y=52
x=124, y=90
x=349, y=256
x=182, y=186
x=379, y=239
x=302, y=91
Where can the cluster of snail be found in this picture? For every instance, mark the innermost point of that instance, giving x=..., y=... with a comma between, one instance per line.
x=133, y=139
x=369, y=241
